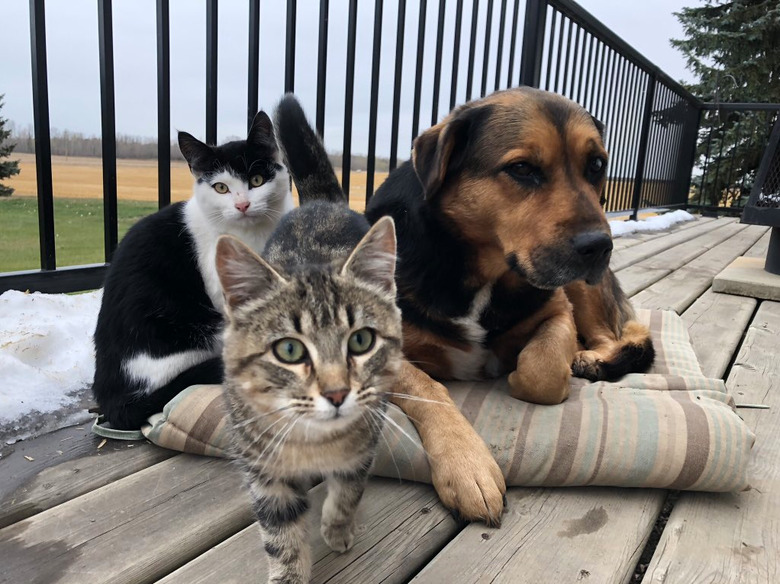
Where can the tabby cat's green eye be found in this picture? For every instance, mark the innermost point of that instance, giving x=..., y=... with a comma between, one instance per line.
x=221, y=188
x=290, y=351
x=361, y=341
x=256, y=181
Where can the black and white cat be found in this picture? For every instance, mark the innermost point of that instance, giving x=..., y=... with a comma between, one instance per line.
x=160, y=322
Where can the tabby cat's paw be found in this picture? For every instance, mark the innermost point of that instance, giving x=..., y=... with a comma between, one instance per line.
x=338, y=536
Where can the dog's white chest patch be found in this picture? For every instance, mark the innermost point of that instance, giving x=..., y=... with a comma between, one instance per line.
x=471, y=364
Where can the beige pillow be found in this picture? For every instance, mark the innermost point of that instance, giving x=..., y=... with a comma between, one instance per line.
x=669, y=428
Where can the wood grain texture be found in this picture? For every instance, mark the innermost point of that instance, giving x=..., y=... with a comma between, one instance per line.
x=400, y=526
x=759, y=248
x=681, y=288
x=66, y=464
x=716, y=323
x=639, y=276
x=734, y=538
x=636, y=238
x=626, y=257
x=132, y=531
x=568, y=535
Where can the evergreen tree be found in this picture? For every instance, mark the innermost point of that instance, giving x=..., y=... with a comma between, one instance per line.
x=733, y=48
x=8, y=168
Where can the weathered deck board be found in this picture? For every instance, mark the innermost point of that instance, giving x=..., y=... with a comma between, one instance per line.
x=133, y=530
x=138, y=526
x=553, y=535
x=400, y=526
x=759, y=248
x=716, y=323
x=64, y=465
x=635, y=278
x=680, y=289
x=633, y=239
x=627, y=257
x=734, y=538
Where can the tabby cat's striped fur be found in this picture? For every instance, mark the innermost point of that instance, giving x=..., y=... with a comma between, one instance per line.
x=312, y=347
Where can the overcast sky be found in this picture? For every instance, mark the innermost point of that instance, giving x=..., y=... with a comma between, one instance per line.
x=74, y=93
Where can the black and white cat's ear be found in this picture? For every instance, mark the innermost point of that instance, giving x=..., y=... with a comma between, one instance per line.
x=244, y=274
x=195, y=152
x=373, y=260
x=261, y=132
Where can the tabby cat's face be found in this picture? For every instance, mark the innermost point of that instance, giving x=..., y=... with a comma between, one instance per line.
x=322, y=345
x=243, y=181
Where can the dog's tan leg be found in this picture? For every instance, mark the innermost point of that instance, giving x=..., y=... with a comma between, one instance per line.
x=544, y=365
x=465, y=474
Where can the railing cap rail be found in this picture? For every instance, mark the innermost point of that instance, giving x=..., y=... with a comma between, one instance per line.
x=735, y=106
x=597, y=28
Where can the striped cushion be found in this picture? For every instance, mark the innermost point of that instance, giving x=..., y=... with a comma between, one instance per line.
x=669, y=428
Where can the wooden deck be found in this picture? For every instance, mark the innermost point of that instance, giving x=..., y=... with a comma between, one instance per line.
x=73, y=511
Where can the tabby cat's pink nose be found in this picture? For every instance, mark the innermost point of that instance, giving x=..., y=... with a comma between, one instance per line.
x=242, y=206
x=336, y=397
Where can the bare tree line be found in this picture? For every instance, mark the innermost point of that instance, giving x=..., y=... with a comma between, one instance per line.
x=67, y=143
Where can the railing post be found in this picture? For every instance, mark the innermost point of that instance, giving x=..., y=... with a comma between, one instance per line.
x=253, y=62
x=211, y=71
x=40, y=90
x=163, y=105
x=644, y=134
x=108, y=124
x=533, y=42
x=289, y=51
x=689, y=160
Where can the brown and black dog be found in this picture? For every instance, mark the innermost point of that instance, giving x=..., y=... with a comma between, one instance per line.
x=503, y=252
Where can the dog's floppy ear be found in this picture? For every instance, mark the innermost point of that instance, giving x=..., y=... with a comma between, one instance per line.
x=442, y=149
x=599, y=126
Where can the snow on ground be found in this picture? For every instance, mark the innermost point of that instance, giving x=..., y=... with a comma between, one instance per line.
x=47, y=359
x=657, y=223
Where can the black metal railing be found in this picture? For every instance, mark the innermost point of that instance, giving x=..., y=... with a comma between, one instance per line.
x=568, y=51
x=651, y=121
x=731, y=141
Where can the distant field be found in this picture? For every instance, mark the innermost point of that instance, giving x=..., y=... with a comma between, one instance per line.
x=82, y=178
x=78, y=207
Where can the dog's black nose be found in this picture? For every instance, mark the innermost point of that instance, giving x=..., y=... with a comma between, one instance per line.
x=592, y=245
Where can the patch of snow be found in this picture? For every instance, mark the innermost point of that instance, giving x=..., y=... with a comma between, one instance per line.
x=47, y=361
x=657, y=223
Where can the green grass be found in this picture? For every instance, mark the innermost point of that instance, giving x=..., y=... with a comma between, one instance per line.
x=78, y=225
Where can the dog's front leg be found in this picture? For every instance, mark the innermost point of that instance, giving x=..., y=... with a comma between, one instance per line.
x=465, y=474
x=544, y=364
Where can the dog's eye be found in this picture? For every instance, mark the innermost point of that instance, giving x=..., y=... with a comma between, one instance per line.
x=525, y=173
x=596, y=167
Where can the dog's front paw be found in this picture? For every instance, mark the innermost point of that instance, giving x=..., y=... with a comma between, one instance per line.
x=338, y=536
x=468, y=480
x=587, y=364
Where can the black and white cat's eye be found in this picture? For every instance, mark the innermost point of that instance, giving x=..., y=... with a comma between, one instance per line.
x=361, y=341
x=290, y=351
x=256, y=181
x=220, y=187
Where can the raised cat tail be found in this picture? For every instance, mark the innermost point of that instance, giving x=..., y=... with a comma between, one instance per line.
x=306, y=157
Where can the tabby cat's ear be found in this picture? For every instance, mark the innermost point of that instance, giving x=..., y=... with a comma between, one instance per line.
x=261, y=133
x=196, y=153
x=244, y=274
x=373, y=260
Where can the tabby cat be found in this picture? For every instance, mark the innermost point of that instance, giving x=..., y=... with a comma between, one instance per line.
x=160, y=322
x=312, y=347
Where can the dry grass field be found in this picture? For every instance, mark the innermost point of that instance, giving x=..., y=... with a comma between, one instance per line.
x=82, y=178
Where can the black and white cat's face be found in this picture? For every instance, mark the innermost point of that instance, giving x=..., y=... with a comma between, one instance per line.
x=323, y=344
x=243, y=181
